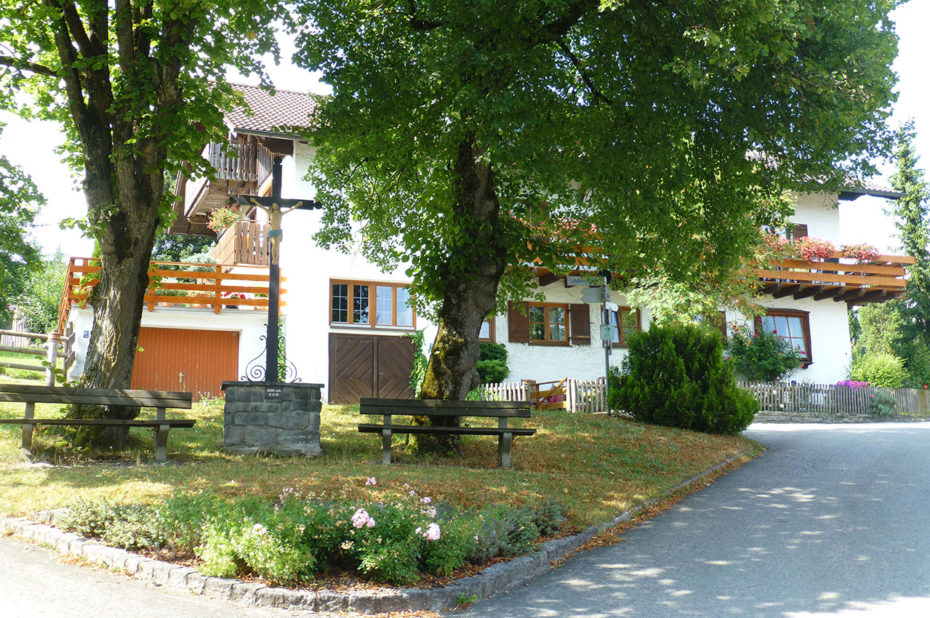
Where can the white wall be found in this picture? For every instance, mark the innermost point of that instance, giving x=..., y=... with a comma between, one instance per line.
x=546, y=363
x=249, y=324
x=308, y=269
x=819, y=211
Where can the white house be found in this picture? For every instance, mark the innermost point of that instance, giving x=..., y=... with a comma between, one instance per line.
x=346, y=320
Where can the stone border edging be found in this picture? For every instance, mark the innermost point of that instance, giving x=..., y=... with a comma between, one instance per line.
x=490, y=581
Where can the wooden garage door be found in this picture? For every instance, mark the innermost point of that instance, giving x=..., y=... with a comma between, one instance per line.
x=369, y=366
x=174, y=359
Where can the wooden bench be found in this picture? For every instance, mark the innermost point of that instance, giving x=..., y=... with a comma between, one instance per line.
x=501, y=410
x=31, y=395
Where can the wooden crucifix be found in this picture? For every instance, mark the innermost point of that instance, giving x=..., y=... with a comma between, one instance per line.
x=273, y=205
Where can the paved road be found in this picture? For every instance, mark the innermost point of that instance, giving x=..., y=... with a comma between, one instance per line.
x=35, y=582
x=831, y=520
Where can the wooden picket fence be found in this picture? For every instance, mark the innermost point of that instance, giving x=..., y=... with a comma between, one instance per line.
x=834, y=399
x=565, y=394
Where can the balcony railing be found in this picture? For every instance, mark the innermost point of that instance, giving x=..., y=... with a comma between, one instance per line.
x=241, y=166
x=176, y=284
x=839, y=278
x=245, y=242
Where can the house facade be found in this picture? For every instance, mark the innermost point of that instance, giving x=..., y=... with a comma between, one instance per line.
x=347, y=323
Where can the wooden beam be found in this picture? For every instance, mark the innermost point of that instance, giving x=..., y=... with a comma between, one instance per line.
x=851, y=295
x=828, y=293
x=808, y=291
x=786, y=290
x=875, y=296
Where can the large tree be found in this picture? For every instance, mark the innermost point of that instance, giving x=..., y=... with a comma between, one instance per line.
x=138, y=86
x=470, y=138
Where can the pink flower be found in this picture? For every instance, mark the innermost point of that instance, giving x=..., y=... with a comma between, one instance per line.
x=361, y=518
x=426, y=500
x=432, y=532
x=371, y=481
x=413, y=493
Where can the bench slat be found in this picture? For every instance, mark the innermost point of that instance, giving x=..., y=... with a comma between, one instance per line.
x=96, y=396
x=98, y=422
x=464, y=431
x=436, y=407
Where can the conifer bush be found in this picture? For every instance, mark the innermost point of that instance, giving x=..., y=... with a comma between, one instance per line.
x=675, y=375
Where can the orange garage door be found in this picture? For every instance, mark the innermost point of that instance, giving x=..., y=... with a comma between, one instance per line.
x=174, y=359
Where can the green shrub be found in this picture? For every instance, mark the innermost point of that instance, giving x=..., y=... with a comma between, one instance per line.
x=676, y=376
x=549, y=517
x=129, y=526
x=451, y=550
x=503, y=531
x=761, y=356
x=492, y=363
x=882, y=404
x=879, y=369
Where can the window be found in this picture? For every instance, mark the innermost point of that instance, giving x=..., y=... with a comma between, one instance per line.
x=548, y=323
x=792, y=326
x=370, y=304
x=625, y=321
x=486, y=333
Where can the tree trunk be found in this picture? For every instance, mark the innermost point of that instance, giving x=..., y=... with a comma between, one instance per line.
x=126, y=241
x=469, y=295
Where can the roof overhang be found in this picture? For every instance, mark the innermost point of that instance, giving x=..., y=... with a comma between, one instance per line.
x=854, y=193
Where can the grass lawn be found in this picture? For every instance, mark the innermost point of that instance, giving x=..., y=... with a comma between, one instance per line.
x=594, y=465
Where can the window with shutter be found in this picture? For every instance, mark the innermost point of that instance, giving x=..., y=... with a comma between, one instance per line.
x=580, y=318
x=518, y=323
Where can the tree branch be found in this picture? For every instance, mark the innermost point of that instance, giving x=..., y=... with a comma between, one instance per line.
x=576, y=62
x=32, y=67
x=78, y=34
x=419, y=24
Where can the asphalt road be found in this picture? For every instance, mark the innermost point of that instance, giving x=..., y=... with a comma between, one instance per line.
x=831, y=520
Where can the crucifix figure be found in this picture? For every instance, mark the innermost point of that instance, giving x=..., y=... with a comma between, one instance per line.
x=273, y=207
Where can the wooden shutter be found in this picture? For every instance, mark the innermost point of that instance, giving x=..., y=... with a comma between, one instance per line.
x=799, y=230
x=518, y=322
x=580, y=317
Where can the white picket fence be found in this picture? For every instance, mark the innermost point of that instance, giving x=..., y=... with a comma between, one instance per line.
x=575, y=395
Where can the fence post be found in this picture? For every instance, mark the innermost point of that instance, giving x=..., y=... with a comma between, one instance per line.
x=52, y=358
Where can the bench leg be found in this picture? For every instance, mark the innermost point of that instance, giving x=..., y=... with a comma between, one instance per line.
x=26, y=444
x=386, y=446
x=504, y=443
x=161, y=443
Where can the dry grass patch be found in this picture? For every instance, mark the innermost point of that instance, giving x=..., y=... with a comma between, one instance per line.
x=594, y=465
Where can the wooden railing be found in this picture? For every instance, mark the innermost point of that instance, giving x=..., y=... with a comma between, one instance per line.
x=241, y=166
x=56, y=346
x=245, y=242
x=839, y=278
x=178, y=284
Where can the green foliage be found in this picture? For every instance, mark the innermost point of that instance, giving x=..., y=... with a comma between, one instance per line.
x=883, y=404
x=879, y=369
x=492, y=363
x=289, y=540
x=42, y=292
x=130, y=526
x=675, y=375
x=179, y=247
x=761, y=356
x=459, y=133
x=419, y=363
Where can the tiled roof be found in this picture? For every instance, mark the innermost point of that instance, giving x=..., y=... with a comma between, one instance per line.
x=271, y=113
x=857, y=186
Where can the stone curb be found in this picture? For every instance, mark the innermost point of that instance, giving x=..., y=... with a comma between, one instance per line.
x=494, y=579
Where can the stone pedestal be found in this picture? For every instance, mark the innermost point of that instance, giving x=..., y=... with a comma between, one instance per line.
x=271, y=417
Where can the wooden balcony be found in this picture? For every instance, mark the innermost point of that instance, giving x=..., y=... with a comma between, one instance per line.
x=245, y=242
x=177, y=284
x=839, y=278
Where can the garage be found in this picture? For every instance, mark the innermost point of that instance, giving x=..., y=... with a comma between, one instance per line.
x=369, y=366
x=174, y=359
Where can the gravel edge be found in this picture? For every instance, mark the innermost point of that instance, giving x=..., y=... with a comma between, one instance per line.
x=493, y=580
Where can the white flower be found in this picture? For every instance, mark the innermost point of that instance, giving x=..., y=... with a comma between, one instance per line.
x=432, y=532
x=430, y=512
x=418, y=530
x=371, y=481
x=371, y=522
x=259, y=529
x=426, y=500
